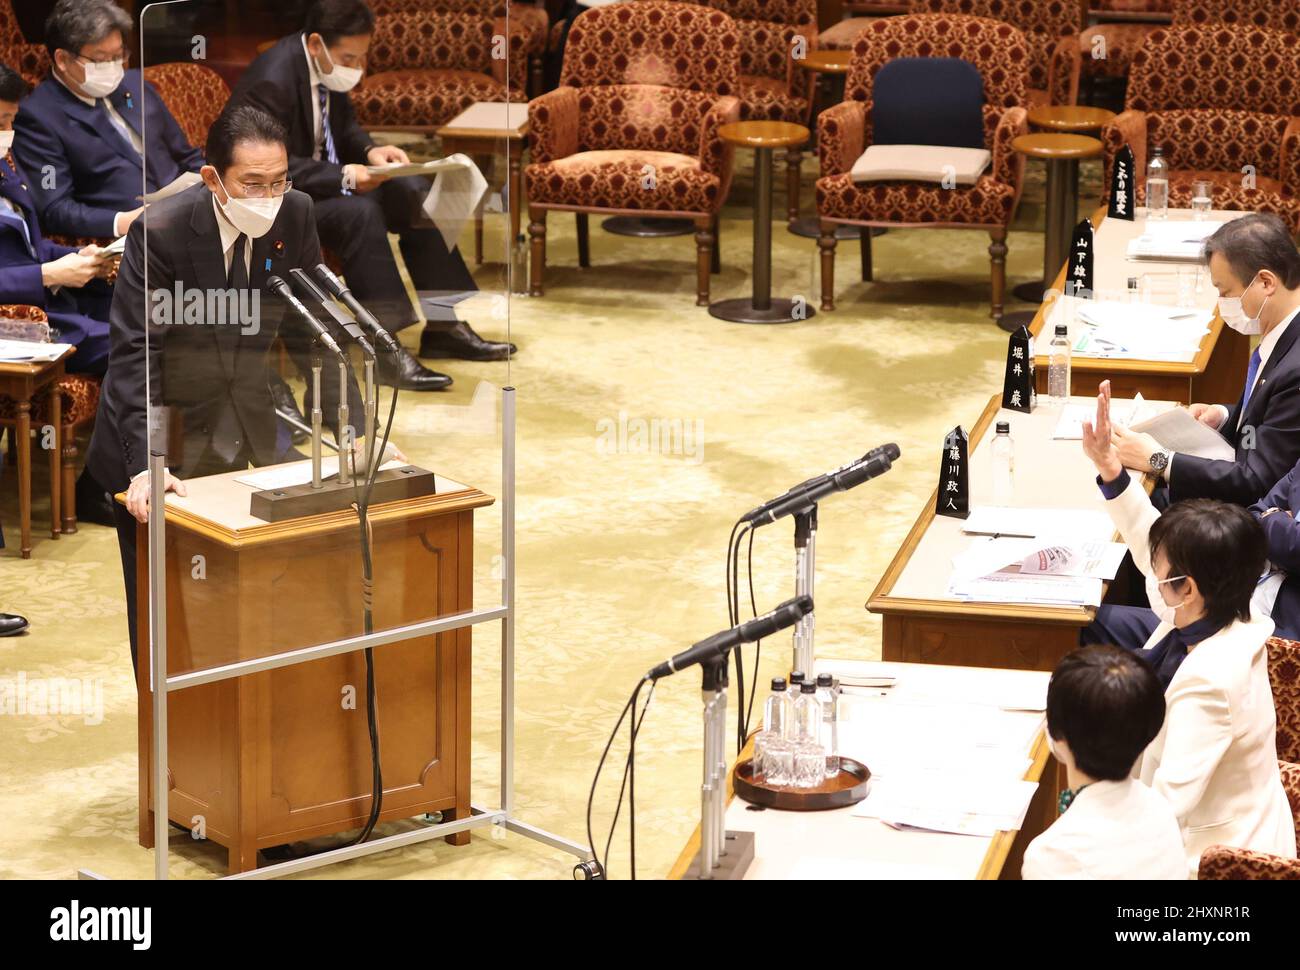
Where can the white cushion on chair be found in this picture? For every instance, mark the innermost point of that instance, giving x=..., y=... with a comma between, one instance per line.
x=921, y=163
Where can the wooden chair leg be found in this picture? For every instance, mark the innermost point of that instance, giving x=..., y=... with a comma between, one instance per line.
x=584, y=239
x=864, y=238
x=69, y=480
x=537, y=233
x=716, y=264
x=703, y=258
x=998, y=258
x=826, y=243
x=55, y=458
x=793, y=161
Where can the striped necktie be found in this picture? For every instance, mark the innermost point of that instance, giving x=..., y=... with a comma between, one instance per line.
x=17, y=217
x=331, y=152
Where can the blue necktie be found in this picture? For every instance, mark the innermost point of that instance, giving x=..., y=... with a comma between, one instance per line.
x=331, y=153
x=16, y=220
x=1251, y=371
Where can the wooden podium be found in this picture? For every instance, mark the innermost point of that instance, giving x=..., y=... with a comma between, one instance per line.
x=284, y=755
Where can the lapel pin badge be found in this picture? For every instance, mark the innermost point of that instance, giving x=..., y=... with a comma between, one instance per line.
x=279, y=249
x=268, y=263
x=129, y=102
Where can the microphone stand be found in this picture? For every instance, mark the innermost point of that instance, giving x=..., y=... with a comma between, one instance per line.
x=316, y=417
x=805, y=570
x=723, y=854
x=345, y=442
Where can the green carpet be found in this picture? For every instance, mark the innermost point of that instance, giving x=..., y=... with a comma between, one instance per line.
x=620, y=550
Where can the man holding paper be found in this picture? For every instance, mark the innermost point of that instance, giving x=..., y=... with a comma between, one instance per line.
x=1254, y=265
x=304, y=80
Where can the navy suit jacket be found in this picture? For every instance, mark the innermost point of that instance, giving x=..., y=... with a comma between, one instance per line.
x=1283, y=534
x=84, y=171
x=20, y=271
x=1262, y=457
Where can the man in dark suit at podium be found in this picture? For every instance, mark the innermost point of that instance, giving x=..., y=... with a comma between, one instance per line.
x=81, y=133
x=67, y=283
x=207, y=362
x=304, y=81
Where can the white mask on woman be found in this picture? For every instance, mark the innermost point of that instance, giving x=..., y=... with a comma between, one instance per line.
x=102, y=79
x=6, y=141
x=1164, y=612
x=341, y=79
x=1235, y=317
x=252, y=217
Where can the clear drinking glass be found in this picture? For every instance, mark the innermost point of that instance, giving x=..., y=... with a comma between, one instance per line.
x=809, y=764
x=778, y=762
x=1202, y=198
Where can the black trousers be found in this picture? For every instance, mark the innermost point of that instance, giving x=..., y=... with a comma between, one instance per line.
x=356, y=227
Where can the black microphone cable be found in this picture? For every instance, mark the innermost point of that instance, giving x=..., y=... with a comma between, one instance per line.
x=601, y=865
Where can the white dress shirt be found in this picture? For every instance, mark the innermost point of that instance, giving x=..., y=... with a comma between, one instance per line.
x=313, y=76
x=1266, y=345
x=1112, y=830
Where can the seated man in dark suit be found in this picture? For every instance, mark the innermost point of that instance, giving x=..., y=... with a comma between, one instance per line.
x=1255, y=267
x=208, y=382
x=79, y=134
x=68, y=284
x=303, y=80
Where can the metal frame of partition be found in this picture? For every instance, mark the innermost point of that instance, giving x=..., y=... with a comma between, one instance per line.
x=503, y=815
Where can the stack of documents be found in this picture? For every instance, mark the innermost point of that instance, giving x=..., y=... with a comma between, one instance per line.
x=1067, y=571
x=1178, y=431
x=1138, y=331
x=28, y=351
x=1172, y=241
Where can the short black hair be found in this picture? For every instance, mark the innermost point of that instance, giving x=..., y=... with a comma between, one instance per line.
x=1107, y=705
x=73, y=24
x=333, y=19
x=239, y=124
x=1221, y=546
x=1257, y=241
x=12, y=86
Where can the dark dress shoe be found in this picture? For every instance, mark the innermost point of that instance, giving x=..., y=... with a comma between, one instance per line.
x=408, y=374
x=11, y=624
x=93, y=503
x=460, y=341
x=283, y=399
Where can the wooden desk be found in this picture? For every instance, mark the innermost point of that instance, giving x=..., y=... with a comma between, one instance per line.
x=22, y=382
x=922, y=623
x=865, y=848
x=283, y=755
x=1214, y=376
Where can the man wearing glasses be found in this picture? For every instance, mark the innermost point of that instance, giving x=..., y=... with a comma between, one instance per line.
x=79, y=133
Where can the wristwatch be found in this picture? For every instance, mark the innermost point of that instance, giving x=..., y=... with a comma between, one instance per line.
x=1159, y=461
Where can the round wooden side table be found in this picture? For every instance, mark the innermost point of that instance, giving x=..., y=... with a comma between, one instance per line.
x=764, y=137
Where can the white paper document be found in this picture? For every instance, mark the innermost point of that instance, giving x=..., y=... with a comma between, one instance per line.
x=1178, y=431
x=1139, y=331
x=298, y=473
x=1094, y=559
x=1070, y=425
x=1173, y=241
x=29, y=351
x=455, y=196
x=179, y=184
x=996, y=520
x=116, y=248
x=1026, y=588
x=935, y=801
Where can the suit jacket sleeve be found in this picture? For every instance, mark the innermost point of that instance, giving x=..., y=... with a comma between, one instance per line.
x=189, y=158
x=310, y=257
x=1242, y=482
x=1281, y=531
x=40, y=151
x=1133, y=514
x=1198, y=732
x=132, y=354
x=318, y=179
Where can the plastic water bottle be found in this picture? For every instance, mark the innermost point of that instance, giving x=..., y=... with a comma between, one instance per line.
x=796, y=681
x=776, y=711
x=809, y=756
x=772, y=750
x=1058, y=367
x=830, y=700
x=1004, y=465
x=1158, y=186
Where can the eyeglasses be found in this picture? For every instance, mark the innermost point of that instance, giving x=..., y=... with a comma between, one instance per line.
x=123, y=60
x=271, y=191
x=1171, y=579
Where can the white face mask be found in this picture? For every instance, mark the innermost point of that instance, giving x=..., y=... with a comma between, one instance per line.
x=6, y=141
x=252, y=217
x=1235, y=317
x=340, y=79
x=1163, y=610
x=102, y=79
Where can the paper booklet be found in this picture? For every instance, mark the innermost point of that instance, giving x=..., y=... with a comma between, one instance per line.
x=1176, y=241
x=431, y=167
x=23, y=351
x=116, y=248
x=182, y=182
x=1178, y=431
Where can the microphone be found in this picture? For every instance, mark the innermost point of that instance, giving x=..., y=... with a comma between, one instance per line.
x=875, y=462
x=281, y=289
x=364, y=317
x=715, y=647
x=348, y=325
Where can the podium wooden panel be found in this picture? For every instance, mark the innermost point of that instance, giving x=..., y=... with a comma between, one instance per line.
x=280, y=756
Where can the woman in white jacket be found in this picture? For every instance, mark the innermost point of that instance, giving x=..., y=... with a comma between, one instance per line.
x=1215, y=758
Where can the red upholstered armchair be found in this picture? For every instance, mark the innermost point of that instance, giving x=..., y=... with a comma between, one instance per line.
x=528, y=21
x=426, y=67
x=840, y=37
x=1052, y=29
x=1268, y=14
x=633, y=127
x=32, y=61
x=1222, y=862
x=1000, y=53
x=1224, y=105
x=1108, y=48
x=194, y=94
x=1284, y=675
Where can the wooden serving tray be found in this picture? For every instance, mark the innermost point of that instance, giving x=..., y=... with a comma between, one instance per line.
x=847, y=788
